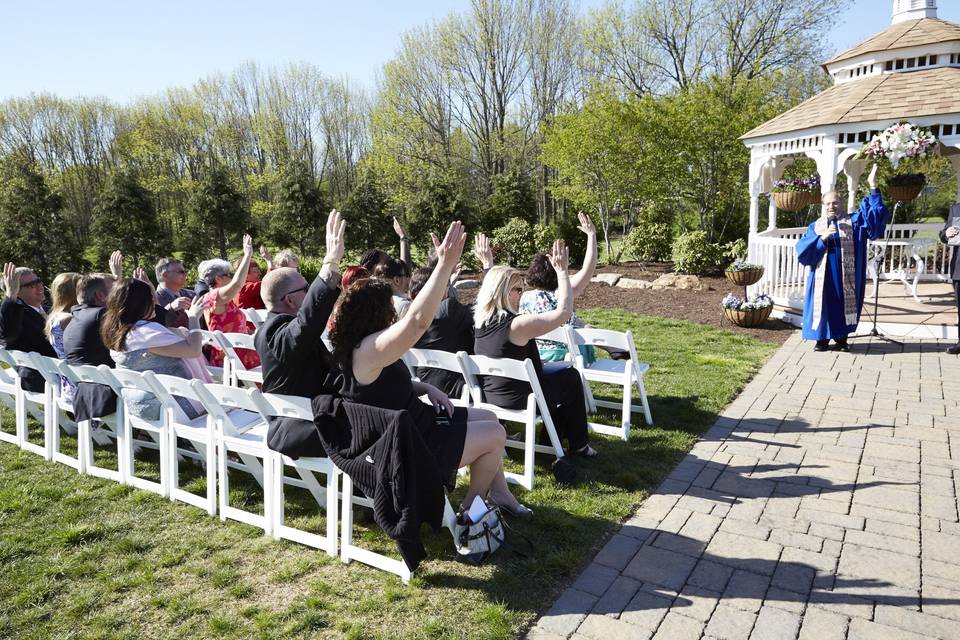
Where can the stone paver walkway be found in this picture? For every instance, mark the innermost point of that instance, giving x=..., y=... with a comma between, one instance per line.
x=822, y=505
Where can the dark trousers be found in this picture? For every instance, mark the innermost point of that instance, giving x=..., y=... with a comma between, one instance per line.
x=563, y=391
x=956, y=292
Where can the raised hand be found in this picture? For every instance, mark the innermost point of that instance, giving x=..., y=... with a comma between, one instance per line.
x=247, y=245
x=11, y=280
x=398, y=229
x=872, y=178
x=483, y=251
x=116, y=264
x=560, y=256
x=197, y=307
x=455, y=275
x=451, y=248
x=267, y=257
x=586, y=224
x=336, y=227
x=141, y=274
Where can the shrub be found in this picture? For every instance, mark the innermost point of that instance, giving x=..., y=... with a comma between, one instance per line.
x=566, y=230
x=693, y=254
x=516, y=239
x=649, y=242
x=736, y=250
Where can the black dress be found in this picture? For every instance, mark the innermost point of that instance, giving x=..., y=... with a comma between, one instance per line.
x=562, y=389
x=393, y=389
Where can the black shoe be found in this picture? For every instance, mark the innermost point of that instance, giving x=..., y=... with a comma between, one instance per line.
x=841, y=345
x=954, y=350
x=822, y=345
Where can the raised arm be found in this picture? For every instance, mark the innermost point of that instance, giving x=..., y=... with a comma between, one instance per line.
x=483, y=251
x=267, y=257
x=526, y=327
x=116, y=264
x=581, y=279
x=404, y=242
x=872, y=213
x=229, y=292
x=300, y=334
x=380, y=349
x=11, y=311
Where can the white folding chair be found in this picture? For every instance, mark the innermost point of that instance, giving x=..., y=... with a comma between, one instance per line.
x=236, y=371
x=56, y=413
x=561, y=335
x=200, y=432
x=37, y=403
x=236, y=432
x=436, y=359
x=219, y=374
x=255, y=317
x=275, y=405
x=155, y=428
x=110, y=427
x=536, y=410
x=9, y=382
x=623, y=373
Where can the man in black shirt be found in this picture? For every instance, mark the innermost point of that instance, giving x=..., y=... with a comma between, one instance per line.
x=294, y=359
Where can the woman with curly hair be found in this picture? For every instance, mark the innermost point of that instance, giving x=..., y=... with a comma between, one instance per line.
x=369, y=343
x=500, y=333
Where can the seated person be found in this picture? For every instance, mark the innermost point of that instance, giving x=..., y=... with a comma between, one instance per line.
x=287, y=258
x=542, y=296
x=222, y=313
x=171, y=292
x=137, y=342
x=22, y=320
x=396, y=273
x=83, y=344
x=295, y=360
x=501, y=333
x=249, y=296
x=63, y=297
x=368, y=344
x=451, y=330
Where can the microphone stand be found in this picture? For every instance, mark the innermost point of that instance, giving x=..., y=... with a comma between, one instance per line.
x=877, y=260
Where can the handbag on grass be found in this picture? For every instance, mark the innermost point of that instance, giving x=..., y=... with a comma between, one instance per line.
x=478, y=536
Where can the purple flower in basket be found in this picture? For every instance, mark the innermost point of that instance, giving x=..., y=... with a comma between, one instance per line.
x=731, y=301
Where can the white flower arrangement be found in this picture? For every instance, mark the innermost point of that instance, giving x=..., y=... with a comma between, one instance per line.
x=899, y=142
x=756, y=301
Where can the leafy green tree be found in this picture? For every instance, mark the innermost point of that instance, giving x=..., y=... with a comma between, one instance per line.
x=124, y=218
x=218, y=211
x=365, y=211
x=298, y=214
x=433, y=207
x=513, y=196
x=33, y=228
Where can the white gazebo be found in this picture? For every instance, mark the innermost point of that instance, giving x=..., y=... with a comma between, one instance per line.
x=910, y=71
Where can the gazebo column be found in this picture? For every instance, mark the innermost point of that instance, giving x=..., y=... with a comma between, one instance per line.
x=853, y=169
x=755, y=177
x=774, y=169
x=827, y=163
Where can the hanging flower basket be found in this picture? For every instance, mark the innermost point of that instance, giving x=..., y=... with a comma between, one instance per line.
x=751, y=312
x=743, y=274
x=790, y=200
x=906, y=187
x=794, y=195
x=751, y=318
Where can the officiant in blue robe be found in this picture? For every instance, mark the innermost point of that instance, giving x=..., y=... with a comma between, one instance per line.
x=835, y=249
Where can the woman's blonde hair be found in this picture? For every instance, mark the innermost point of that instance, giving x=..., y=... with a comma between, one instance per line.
x=493, y=299
x=63, y=295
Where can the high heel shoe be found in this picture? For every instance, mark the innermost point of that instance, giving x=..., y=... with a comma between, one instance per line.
x=520, y=511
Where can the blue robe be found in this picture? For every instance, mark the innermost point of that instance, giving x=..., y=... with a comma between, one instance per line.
x=869, y=223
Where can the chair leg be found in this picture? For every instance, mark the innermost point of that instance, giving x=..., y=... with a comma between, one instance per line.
x=224, y=484
x=211, y=461
x=279, y=498
x=333, y=481
x=530, y=440
x=627, y=404
x=346, y=520
x=643, y=400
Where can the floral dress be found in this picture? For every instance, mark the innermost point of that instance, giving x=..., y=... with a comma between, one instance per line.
x=540, y=301
x=231, y=320
x=56, y=339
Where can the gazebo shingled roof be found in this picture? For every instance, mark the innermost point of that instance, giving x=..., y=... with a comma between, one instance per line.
x=882, y=97
x=912, y=33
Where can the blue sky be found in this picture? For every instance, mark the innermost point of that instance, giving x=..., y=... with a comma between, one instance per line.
x=126, y=49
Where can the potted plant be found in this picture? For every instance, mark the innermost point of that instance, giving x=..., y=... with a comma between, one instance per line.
x=749, y=312
x=743, y=273
x=794, y=195
x=896, y=144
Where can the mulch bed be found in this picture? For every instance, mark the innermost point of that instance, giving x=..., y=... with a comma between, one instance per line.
x=702, y=306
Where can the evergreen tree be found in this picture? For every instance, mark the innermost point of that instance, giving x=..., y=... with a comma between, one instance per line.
x=365, y=211
x=298, y=215
x=217, y=212
x=125, y=218
x=33, y=228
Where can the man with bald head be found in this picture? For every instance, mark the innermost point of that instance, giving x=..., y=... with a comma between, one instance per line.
x=835, y=249
x=294, y=359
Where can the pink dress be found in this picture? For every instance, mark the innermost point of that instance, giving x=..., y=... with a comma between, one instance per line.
x=231, y=320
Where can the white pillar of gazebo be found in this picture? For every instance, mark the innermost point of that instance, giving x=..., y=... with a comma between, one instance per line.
x=775, y=169
x=853, y=169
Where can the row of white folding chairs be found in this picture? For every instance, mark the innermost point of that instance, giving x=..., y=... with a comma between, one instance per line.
x=235, y=423
x=233, y=372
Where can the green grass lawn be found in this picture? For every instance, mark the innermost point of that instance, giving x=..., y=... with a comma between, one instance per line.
x=87, y=558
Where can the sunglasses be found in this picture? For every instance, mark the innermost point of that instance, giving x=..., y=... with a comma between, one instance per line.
x=290, y=293
x=32, y=283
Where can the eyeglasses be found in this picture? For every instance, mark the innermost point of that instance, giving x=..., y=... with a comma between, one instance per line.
x=175, y=271
x=290, y=293
x=32, y=283
x=517, y=289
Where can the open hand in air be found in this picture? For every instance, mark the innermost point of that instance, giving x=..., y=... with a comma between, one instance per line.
x=483, y=250
x=872, y=178
x=451, y=248
x=247, y=245
x=116, y=264
x=11, y=280
x=586, y=224
x=336, y=227
x=560, y=256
